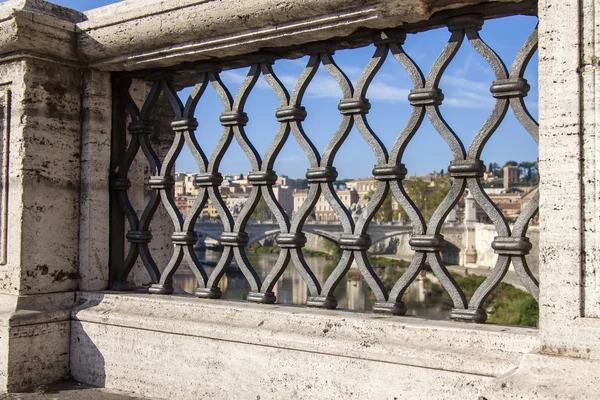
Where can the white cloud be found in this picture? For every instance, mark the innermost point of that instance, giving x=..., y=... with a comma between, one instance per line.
x=380, y=91
x=232, y=76
x=461, y=92
x=291, y=159
x=464, y=83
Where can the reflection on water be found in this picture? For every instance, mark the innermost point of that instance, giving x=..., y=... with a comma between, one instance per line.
x=291, y=289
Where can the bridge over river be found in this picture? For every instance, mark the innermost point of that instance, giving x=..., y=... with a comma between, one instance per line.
x=468, y=244
x=454, y=234
x=332, y=231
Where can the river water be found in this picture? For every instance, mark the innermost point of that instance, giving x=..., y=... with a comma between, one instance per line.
x=352, y=294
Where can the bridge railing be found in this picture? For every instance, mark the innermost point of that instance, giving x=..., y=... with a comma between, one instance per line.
x=134, y=123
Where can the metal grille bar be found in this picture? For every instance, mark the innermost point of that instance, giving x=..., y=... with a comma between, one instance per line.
x=466, y=169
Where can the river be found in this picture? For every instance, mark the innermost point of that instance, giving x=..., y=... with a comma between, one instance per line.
x=352, y=294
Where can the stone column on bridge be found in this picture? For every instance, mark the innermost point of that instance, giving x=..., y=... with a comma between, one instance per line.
x=46, y=99
x=568, y=362
x=469, y=254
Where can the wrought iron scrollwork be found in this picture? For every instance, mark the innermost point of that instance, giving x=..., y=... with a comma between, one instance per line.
x=427, y=241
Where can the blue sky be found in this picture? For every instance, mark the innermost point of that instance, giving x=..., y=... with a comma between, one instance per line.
x=467, y=105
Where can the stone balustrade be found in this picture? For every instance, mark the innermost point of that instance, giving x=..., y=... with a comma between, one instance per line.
x=71, y=83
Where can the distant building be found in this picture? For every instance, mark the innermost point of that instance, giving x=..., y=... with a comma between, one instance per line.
x=511, y=177
x=284, y=180
x=210, y=210
x=184, y=204
x=363, y=187
x=299, y=196
x=323, y=210
x=285, y=197
x=510, y=205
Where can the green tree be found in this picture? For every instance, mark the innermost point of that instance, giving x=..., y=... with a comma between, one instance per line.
x=527, y=168
x=302, y=183
x=511, y=163
x=386, y=212
x=427, y=198
x=261, y=212
x=494, y=167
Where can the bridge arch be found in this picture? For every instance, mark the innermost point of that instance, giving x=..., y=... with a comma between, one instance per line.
x=333, y=237
x=208, y=235
x=264, y=236
x=389, y=236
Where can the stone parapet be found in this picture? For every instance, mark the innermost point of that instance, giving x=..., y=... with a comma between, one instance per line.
x=267, y=343
x=56, y=119
x=134, y=35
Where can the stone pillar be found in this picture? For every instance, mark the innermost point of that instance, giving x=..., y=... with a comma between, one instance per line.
x=95, y=167
x=470, y=209
x=568, y=362
x=451, y=216
x=40, y=114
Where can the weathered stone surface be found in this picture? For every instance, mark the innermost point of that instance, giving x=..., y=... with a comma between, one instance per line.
x=590, y=113
x=350, y=355
x=69, y=390
x=34, y=339
x=42, y=124
x=134, y=35
x=55, y=239
x=564, y=236
x=12, y=79
x=40, y=27
x=50, y=126
x=94, y=200
x=544, y=377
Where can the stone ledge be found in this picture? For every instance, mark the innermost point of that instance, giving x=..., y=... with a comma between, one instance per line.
x=40, y=28
x=485, y=350
x=135, y=35
x=35, y=309
x=545, y=377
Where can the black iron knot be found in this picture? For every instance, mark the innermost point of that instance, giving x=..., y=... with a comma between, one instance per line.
x=355, y=242
x=184, y=124
x=208, y=179
x=184, y=238
x=233, y=118
x=139, y=236
x=161, y=182
x=390, y=172
x=321, y=174
x=291, y=113
x=262, y=58
x=354, y=106
x=507, y=88
x=466, y=169
x=389, y=36
x=258, y=178
x=426, y=97
x=141, y=128
x=511, y=246
x=162, y=75
x=427, y=243
x=206, y=68
x=291, y=240
x=121, y=184
x=234, y=239
x=465, y=22
x=320, y=48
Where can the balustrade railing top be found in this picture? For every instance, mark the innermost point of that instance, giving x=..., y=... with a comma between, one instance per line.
x=466, y=169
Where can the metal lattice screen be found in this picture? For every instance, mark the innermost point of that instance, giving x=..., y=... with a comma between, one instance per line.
x=511, y=245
